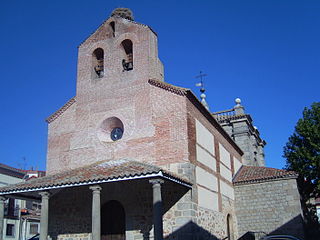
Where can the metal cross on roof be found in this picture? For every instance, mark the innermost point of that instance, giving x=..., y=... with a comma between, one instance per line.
x=200, y=84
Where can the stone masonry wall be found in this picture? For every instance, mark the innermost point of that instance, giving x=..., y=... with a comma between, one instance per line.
x=70, y=208
x=270, y=207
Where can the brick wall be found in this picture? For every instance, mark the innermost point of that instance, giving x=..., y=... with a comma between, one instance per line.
x=159, y=128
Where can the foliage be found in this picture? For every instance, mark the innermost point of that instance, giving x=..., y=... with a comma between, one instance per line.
x=303, y=156
x=303, y=150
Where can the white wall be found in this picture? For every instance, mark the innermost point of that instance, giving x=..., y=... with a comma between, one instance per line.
x=206, y=179
x=204, y=138
x=205, y=158
x=237, y=165
x=6, y=180
x=224, y=156
x=208, y=199
x=227, y=190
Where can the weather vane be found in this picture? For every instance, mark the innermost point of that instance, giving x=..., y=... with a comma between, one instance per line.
x=202, y=89
x=200, y=84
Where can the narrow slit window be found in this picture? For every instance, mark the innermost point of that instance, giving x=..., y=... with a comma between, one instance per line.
x=113, y=28
x=98, y=62
x=127, y=62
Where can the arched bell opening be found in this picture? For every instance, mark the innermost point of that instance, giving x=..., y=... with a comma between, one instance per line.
x=98, y=63
x=127, y=62
x=113, y=28
x=113, y=221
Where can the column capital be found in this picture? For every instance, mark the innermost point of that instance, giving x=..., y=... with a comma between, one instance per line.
x=95, y=188
x=156, y=181
x=3, y=198
x=44, y=195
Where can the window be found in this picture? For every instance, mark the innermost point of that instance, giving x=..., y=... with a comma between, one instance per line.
x=10, y=230
x=113, y=28
x=10, y=209
x=111, y=130
x=127, y=62
x=33, y=229
x=98, y=63
x=116, y=133
x=36, y=206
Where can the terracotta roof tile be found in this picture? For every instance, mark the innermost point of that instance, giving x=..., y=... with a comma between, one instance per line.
x=169, y=87
x=11, y=171
x=100, y=171
x=61, y=110
x=250, y=174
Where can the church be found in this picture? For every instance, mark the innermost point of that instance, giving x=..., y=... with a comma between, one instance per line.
x=133, y=157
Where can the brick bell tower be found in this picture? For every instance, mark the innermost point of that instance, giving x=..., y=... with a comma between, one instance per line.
x=119, y=54
x=112, y=96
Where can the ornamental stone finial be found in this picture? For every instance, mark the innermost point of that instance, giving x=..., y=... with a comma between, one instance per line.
x=238, y=101
x=123, y=12
x=238, y=108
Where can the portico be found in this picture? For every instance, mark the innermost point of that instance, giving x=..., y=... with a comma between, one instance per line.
x=92, y=201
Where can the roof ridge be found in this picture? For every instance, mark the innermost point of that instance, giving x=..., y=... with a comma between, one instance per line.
x=169, y=87
x=61, y=110
x=103, y=22
x=254, y=174
x=94, y=173
x=12, y=168
x=265, y=167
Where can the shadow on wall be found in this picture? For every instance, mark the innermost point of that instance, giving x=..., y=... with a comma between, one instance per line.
x=252, y=236
x=293, y=227
x=191, y=231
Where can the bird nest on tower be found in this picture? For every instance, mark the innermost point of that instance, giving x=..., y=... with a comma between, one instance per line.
x=122, y=12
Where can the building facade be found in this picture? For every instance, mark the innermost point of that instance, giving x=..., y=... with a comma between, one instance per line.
x=131, y=156
x=267, y=200
x=11, y=223
x=21, y=218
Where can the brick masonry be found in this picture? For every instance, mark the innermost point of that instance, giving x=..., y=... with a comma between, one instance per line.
x=159, y=128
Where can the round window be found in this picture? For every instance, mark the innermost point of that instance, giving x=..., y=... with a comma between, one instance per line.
x=116, y=133
x=110, y=130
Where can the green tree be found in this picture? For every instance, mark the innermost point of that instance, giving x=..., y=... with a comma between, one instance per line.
x=302, y=152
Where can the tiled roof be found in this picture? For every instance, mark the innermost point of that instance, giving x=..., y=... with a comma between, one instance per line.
x=169, y=87
x=11, y=171
x=251, y=174
x=61, y=110
x=100, y=172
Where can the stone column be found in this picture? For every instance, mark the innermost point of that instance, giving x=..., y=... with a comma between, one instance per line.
x=96, y=212
x=44, y=215
x=157, y=209
x=2, y=200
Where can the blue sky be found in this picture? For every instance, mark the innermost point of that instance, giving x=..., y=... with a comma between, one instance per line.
x=265, y=52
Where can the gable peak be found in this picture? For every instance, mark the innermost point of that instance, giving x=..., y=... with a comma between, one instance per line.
x=123, y=12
